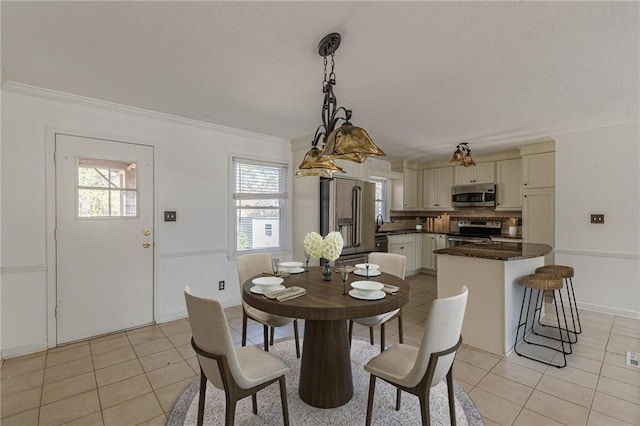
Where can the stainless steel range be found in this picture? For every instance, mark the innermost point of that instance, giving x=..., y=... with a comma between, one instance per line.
x=474, y=231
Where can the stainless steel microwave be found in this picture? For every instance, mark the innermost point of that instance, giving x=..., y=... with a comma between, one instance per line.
x=482, y=195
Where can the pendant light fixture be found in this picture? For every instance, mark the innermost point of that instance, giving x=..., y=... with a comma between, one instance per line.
x=462, y=155
x=346, y=142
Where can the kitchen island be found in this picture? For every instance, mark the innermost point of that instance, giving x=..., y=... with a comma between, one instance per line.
x=491, y=273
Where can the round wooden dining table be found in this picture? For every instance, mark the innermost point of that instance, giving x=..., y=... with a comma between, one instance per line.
x=325, y=371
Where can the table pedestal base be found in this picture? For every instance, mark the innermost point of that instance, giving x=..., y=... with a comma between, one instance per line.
x=325, y=372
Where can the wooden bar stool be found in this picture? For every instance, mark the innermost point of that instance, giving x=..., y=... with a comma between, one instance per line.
x=542, y=283
x=566, y=272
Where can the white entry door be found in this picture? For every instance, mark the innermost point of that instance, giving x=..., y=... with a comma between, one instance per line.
x=104, y=236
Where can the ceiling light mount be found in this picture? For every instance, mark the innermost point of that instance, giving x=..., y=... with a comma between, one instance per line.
x=462, y=155
x=346, y=142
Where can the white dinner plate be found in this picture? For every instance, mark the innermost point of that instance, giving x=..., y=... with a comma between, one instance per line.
x=367, y=295
x=291, y=265
x=262, y=289
x=293, y=270
x=363, y=272
x=267, y=281
x=372, y=266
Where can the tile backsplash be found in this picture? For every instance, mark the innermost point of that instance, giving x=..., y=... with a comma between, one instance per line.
x=407, y=219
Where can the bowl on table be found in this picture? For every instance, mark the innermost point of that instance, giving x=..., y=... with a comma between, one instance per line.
x=372, y=271
x=291, y=267
x=369, y=290
x=263, y=285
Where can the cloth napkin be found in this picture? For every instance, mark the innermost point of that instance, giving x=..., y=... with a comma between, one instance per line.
x=390, y=289
x=286, y=294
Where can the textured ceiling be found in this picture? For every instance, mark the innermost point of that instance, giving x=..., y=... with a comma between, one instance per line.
x=419, y=76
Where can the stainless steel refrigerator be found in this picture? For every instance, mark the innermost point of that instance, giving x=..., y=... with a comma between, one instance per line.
x=348, y=206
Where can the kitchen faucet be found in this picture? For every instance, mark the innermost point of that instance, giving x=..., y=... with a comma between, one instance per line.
x=379, y=221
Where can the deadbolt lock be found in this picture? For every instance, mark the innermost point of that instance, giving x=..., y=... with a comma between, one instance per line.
x=146, y=232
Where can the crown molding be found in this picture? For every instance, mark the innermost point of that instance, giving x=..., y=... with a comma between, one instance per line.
x=41, y=92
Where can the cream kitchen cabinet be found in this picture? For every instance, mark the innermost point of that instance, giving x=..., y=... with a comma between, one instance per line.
x=404, y=244
x=431, y=242
x=405, y=191
x=538, y=218
x=436, y=188
x=410, y=189
x=539, y=170
x=480, y=173
x=509, y=184
x=353, y=169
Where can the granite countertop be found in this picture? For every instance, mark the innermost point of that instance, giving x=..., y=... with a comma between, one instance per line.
x=407, y=231
x=498, y=251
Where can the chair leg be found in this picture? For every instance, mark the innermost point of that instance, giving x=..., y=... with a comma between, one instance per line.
x=244, y=328
x=372, y=390
x=254, y=402
x=381, y=337
x=398, y=396
x=265, y=329
x=425, y=410
x=273, y=331
x=283, y=399
x=371, y=335
x=452, y=401
x=203, y=391
x=297, y=337
x=230, y=411
x=401, y=337
x=350, y=331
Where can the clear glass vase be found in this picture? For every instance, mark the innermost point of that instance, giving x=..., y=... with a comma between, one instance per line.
x=326, y=271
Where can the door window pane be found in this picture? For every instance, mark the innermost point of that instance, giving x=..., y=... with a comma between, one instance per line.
x=106, y=188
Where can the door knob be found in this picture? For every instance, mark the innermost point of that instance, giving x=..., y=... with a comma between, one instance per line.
x=146, y=245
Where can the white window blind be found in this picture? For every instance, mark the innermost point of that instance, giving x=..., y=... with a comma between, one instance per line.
x=259, y=199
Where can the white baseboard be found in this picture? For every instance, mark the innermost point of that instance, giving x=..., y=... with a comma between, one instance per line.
x=23, y=350
x=627, y=313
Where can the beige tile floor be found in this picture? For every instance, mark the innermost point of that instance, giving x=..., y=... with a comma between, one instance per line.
x=135, y=377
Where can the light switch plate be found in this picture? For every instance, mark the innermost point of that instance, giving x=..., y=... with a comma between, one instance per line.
x=597, y=218
x=170, y=216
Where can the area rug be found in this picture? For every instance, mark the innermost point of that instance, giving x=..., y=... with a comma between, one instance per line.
x=185, y=411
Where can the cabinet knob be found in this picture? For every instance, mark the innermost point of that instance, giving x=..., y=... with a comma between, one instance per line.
x=498, y=204
x=525, y=196
x=401, y=248
x=525, y=184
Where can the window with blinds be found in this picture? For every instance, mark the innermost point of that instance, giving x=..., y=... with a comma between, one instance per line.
x=381, y=198
x=259, y=197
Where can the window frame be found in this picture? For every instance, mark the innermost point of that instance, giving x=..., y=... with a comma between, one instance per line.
x=385, y=183
x=95, y=163
x=282, y=196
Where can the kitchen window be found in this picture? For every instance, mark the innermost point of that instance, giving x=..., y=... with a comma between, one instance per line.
x=259, y=200
x=380, y=197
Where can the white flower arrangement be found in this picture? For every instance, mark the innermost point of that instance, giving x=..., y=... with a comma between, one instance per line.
x=328, y=248
x=313, y=244
x=332, y=246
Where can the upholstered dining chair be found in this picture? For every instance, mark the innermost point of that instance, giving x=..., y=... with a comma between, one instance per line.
x=390, y=263
x=417, y=370
x=250, y=265
x=239, y=372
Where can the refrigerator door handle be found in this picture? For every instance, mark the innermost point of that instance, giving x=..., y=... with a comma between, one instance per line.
x=356, y=195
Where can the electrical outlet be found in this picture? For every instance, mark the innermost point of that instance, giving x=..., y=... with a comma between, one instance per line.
x=597, y=218
x=221, y=285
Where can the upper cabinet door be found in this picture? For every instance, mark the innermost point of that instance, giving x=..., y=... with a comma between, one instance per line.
x=509, y=184
x=480, y=173
x=410, y=190
x=539, y=170
x=445, y=181
x=429, y=188
x=485, y=172
x=463, y=175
